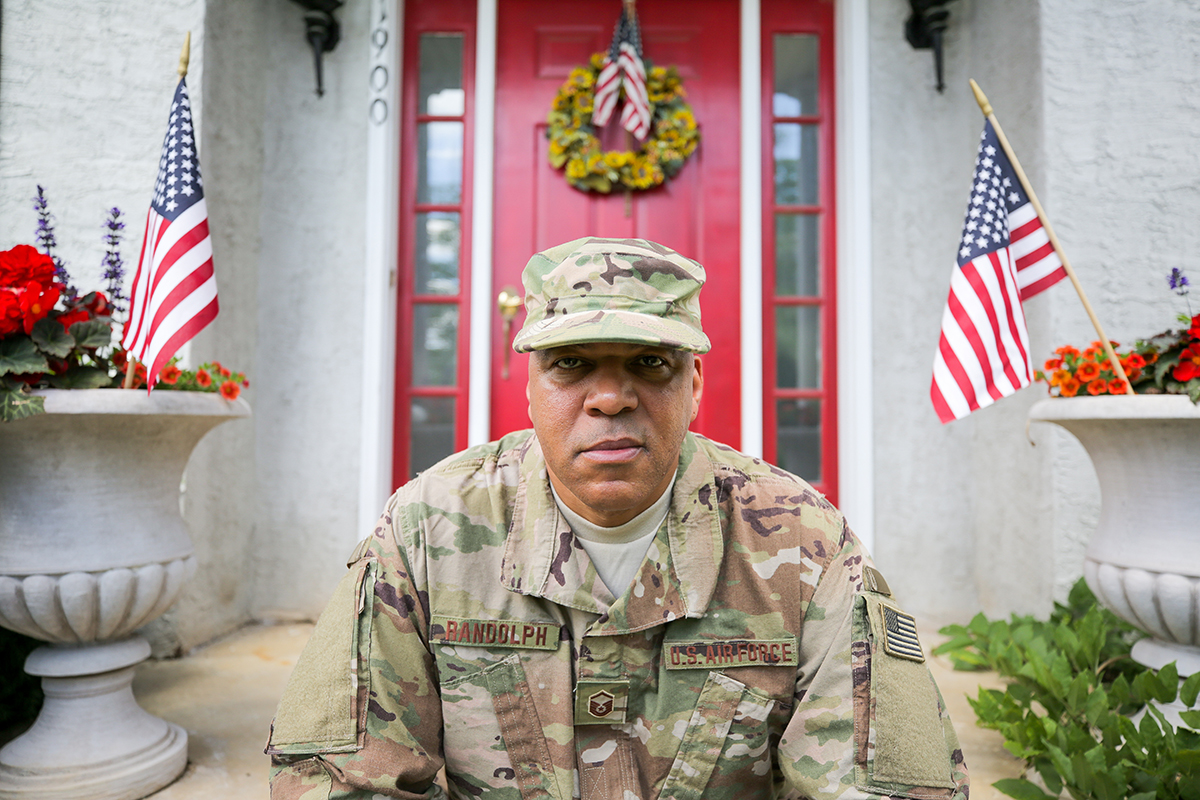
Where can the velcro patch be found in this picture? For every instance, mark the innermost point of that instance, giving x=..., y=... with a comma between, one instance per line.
x=900, y=635
x=709, y=653
x=494, y=633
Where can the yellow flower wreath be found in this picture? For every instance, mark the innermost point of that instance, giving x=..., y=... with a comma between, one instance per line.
x=573, y=143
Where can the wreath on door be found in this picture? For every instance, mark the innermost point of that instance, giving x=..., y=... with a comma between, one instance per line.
x=575, y=147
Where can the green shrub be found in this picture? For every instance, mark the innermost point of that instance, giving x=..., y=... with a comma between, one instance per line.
x=1067, y=709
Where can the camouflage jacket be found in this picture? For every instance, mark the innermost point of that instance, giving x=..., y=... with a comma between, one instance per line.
x=756, y=655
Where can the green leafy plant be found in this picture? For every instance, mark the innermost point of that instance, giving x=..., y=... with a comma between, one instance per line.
x=1070, y=707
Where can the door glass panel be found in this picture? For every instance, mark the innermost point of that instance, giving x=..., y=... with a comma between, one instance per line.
x=795, y=75
x=437, y=252
x=798, y=426
x=439, y=162
x=796, y=255
x=795, y=164
x=432, y=431
x=441, y=88
x=798, y=347
x=435, y=344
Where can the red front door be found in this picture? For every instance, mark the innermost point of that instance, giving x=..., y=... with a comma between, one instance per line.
x=539, y=42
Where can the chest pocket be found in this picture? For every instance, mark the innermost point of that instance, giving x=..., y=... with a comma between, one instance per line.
x=493, y=737
x=729, y=723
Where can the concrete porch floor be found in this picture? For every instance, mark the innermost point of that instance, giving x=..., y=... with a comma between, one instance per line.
x=225, y=694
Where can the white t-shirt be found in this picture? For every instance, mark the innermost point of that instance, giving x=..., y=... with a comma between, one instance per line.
x=618, y=552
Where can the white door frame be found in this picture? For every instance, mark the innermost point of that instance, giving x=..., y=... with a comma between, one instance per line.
x=855, y=408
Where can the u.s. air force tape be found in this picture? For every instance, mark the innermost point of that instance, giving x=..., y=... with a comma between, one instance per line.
x=494, y=633
x=710, y=653
x=900, y=635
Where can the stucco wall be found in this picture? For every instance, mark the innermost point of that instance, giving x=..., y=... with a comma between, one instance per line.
x=1121, y=119
x=944, y=493
x=1095, y=99
x=309, y=323
x=84, y=94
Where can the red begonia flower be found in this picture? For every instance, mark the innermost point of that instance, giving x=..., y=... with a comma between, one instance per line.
x=10, y=312
x=36, y=302
x=100, y=307
x=71, y=317
x=23, y=264
x=1189, y=364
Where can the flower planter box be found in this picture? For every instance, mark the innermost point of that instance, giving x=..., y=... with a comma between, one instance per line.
x=1143, y=562
x=93, y=546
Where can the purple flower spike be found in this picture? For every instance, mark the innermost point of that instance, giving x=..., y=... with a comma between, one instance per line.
x=1179, y=282
x=45, y=238
x=114, y=267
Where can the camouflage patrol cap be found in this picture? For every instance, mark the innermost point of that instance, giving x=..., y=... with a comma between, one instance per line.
x=612, y=290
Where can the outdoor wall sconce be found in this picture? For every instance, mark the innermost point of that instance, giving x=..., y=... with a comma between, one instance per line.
x=322, y=32
x=924, y=30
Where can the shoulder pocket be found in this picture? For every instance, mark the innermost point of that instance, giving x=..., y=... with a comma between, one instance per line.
x=903, y=738
x=323, y=700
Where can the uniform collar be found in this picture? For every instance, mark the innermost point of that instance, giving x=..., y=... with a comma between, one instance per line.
x=677, y=578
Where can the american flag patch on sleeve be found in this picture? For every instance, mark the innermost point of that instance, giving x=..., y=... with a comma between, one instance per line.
x=900, y=635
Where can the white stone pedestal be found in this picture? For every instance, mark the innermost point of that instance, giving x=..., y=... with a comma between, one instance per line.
x=1143, y=562
x=91, y=740
x=92, y=547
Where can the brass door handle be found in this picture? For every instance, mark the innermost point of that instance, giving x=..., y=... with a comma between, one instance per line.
x=509, y=303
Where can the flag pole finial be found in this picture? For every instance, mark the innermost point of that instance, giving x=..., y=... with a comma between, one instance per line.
x=981, y=98
x=185, y=55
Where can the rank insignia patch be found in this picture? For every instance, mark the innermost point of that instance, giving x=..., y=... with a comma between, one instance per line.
x=900, y=635
x=601, y=702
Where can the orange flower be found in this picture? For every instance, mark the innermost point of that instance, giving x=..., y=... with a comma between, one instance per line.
x=1069, y=387
x=203, y=378
x=1115, y=386
x=1092, y=353
x=169, y=374
x=1133, y=361
x=1088, y=371
x=1052, y=363
x=224, y=372
x=1059, y=376
x=1098, y=386
x=230, y=390
x=1067, y=350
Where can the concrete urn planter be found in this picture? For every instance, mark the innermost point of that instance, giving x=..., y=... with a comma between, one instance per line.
x=1143, y=562
x=93, y=546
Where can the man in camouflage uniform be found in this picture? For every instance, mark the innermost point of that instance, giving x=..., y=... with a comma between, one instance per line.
x=754, y=653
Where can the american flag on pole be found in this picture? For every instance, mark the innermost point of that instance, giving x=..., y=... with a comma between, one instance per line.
x=623, y=67
x=174, y=292
x=1004, y=258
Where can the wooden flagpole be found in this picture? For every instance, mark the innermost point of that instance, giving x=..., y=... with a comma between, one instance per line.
x=185, y=56
x=986, y=108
